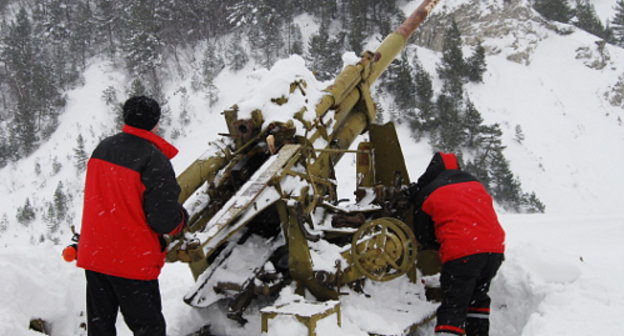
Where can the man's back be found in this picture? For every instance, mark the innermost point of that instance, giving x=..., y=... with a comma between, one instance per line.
x=464, y=220
x=130, y=201
x=129, y=181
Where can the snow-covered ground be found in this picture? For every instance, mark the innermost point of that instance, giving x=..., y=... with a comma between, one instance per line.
x=563, y=274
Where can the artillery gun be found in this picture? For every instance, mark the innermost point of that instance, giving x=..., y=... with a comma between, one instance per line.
x=266, y=193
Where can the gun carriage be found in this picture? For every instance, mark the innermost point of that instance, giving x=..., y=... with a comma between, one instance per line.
x=266, y=192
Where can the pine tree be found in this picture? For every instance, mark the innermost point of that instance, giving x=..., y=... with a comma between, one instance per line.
x=165, y=111
x=236, y=56
x=324, y=54
x=47, y=97
x=264, y=24
x=173, y=29
x=108, y=24
x=4, y=148
x=184, y=118
x=385, y=16
x=356, y=24
x=557, y=10
x=25, y=214
x=519, y=135
x=617, y=24
x=109, y=96
x=531, y=204
x=500, y=180
x=142, y=44
x=472, y=121
x=270, y=41
x=505, y=187
x=60, y=202
x=479, y=169
x=399, y=82
x=587, y=19
x=80, y=155
x=37, y=168
x=20, y=55
x=394, y=114
x=476, y=65
x=609, y=34
x=490, y=141
x=266, y=36
x=48, y=22
x=242, y=13
x=450, y=134
x=212, y=64
x=81, y=39
x=424, y=96
x=452, y=66
x=381, y=112
x=56, y=166
x=295, y=40
x=32, y=88
x=189, y=21
x=4, y=223
x=58, y=32
x=424, y=86
x=51, y=219
x=325, y=10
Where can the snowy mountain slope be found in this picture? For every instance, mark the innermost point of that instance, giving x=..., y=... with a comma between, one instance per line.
x=552, y=81
x=562, y=274
x=572, y=135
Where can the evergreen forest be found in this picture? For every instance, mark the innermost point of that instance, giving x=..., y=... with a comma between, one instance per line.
x=45, y=45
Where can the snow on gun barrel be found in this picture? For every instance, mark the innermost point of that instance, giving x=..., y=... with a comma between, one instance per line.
x=266, y=193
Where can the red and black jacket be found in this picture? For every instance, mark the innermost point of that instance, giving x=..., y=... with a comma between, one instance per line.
x=130, y=201
x=454, y=212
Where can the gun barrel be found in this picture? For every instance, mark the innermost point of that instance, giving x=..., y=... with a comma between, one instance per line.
x=371, y=66
x=416, y=18
x=394, y=43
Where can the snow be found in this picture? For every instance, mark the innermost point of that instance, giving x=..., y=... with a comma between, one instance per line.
x=569, y=272
x=561, y=116
x=562, y=276
x=563, y=272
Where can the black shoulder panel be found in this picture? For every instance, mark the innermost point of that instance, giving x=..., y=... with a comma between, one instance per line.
x=125, y=150
x=445, y=178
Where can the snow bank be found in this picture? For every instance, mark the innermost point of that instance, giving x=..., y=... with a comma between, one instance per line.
x=561, y=276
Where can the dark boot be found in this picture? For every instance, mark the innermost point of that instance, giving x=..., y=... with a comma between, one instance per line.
x=477, y=327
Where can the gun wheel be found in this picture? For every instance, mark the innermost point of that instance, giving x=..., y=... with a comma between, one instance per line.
x=383, y=249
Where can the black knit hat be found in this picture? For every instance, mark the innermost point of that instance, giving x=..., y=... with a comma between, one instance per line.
x=141, y=112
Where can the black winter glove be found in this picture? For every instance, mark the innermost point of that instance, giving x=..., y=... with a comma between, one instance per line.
x=411, y=191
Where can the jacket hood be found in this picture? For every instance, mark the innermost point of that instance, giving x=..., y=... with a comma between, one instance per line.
x=440, y=162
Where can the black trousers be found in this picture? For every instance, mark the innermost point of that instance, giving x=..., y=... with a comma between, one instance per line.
x=138, y=300
x=465, y=306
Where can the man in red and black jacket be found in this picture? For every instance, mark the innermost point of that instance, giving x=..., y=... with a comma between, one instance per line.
x=130, y=202
x=455, y=214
